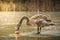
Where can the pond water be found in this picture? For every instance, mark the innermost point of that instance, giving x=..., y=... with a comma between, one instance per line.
x=8, y=24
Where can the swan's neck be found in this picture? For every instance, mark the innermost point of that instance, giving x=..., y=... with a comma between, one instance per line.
x=19, y=24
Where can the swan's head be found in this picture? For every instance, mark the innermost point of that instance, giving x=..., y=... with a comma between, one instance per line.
x=17, y=32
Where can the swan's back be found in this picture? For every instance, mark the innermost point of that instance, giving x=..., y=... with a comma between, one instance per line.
x=37, y=18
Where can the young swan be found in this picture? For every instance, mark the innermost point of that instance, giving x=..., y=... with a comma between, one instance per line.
x=39, y=20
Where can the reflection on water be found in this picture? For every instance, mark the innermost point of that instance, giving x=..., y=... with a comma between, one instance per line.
x=16, y=36
x=50, y=31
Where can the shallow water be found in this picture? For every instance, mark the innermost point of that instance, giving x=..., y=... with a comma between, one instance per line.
x=29, y=33
x=33, y=33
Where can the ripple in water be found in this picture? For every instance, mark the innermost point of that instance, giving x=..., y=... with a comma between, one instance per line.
x=33, y=33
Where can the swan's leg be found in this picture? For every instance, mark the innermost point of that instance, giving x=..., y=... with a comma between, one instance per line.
x=41, y=28
x=38, y=32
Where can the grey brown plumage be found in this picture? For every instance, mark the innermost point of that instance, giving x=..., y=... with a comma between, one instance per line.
x=39, y=20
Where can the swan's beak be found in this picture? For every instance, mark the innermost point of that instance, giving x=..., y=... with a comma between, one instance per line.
x=17, y=32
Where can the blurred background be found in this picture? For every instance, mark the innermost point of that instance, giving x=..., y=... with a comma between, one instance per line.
x=30, y=5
